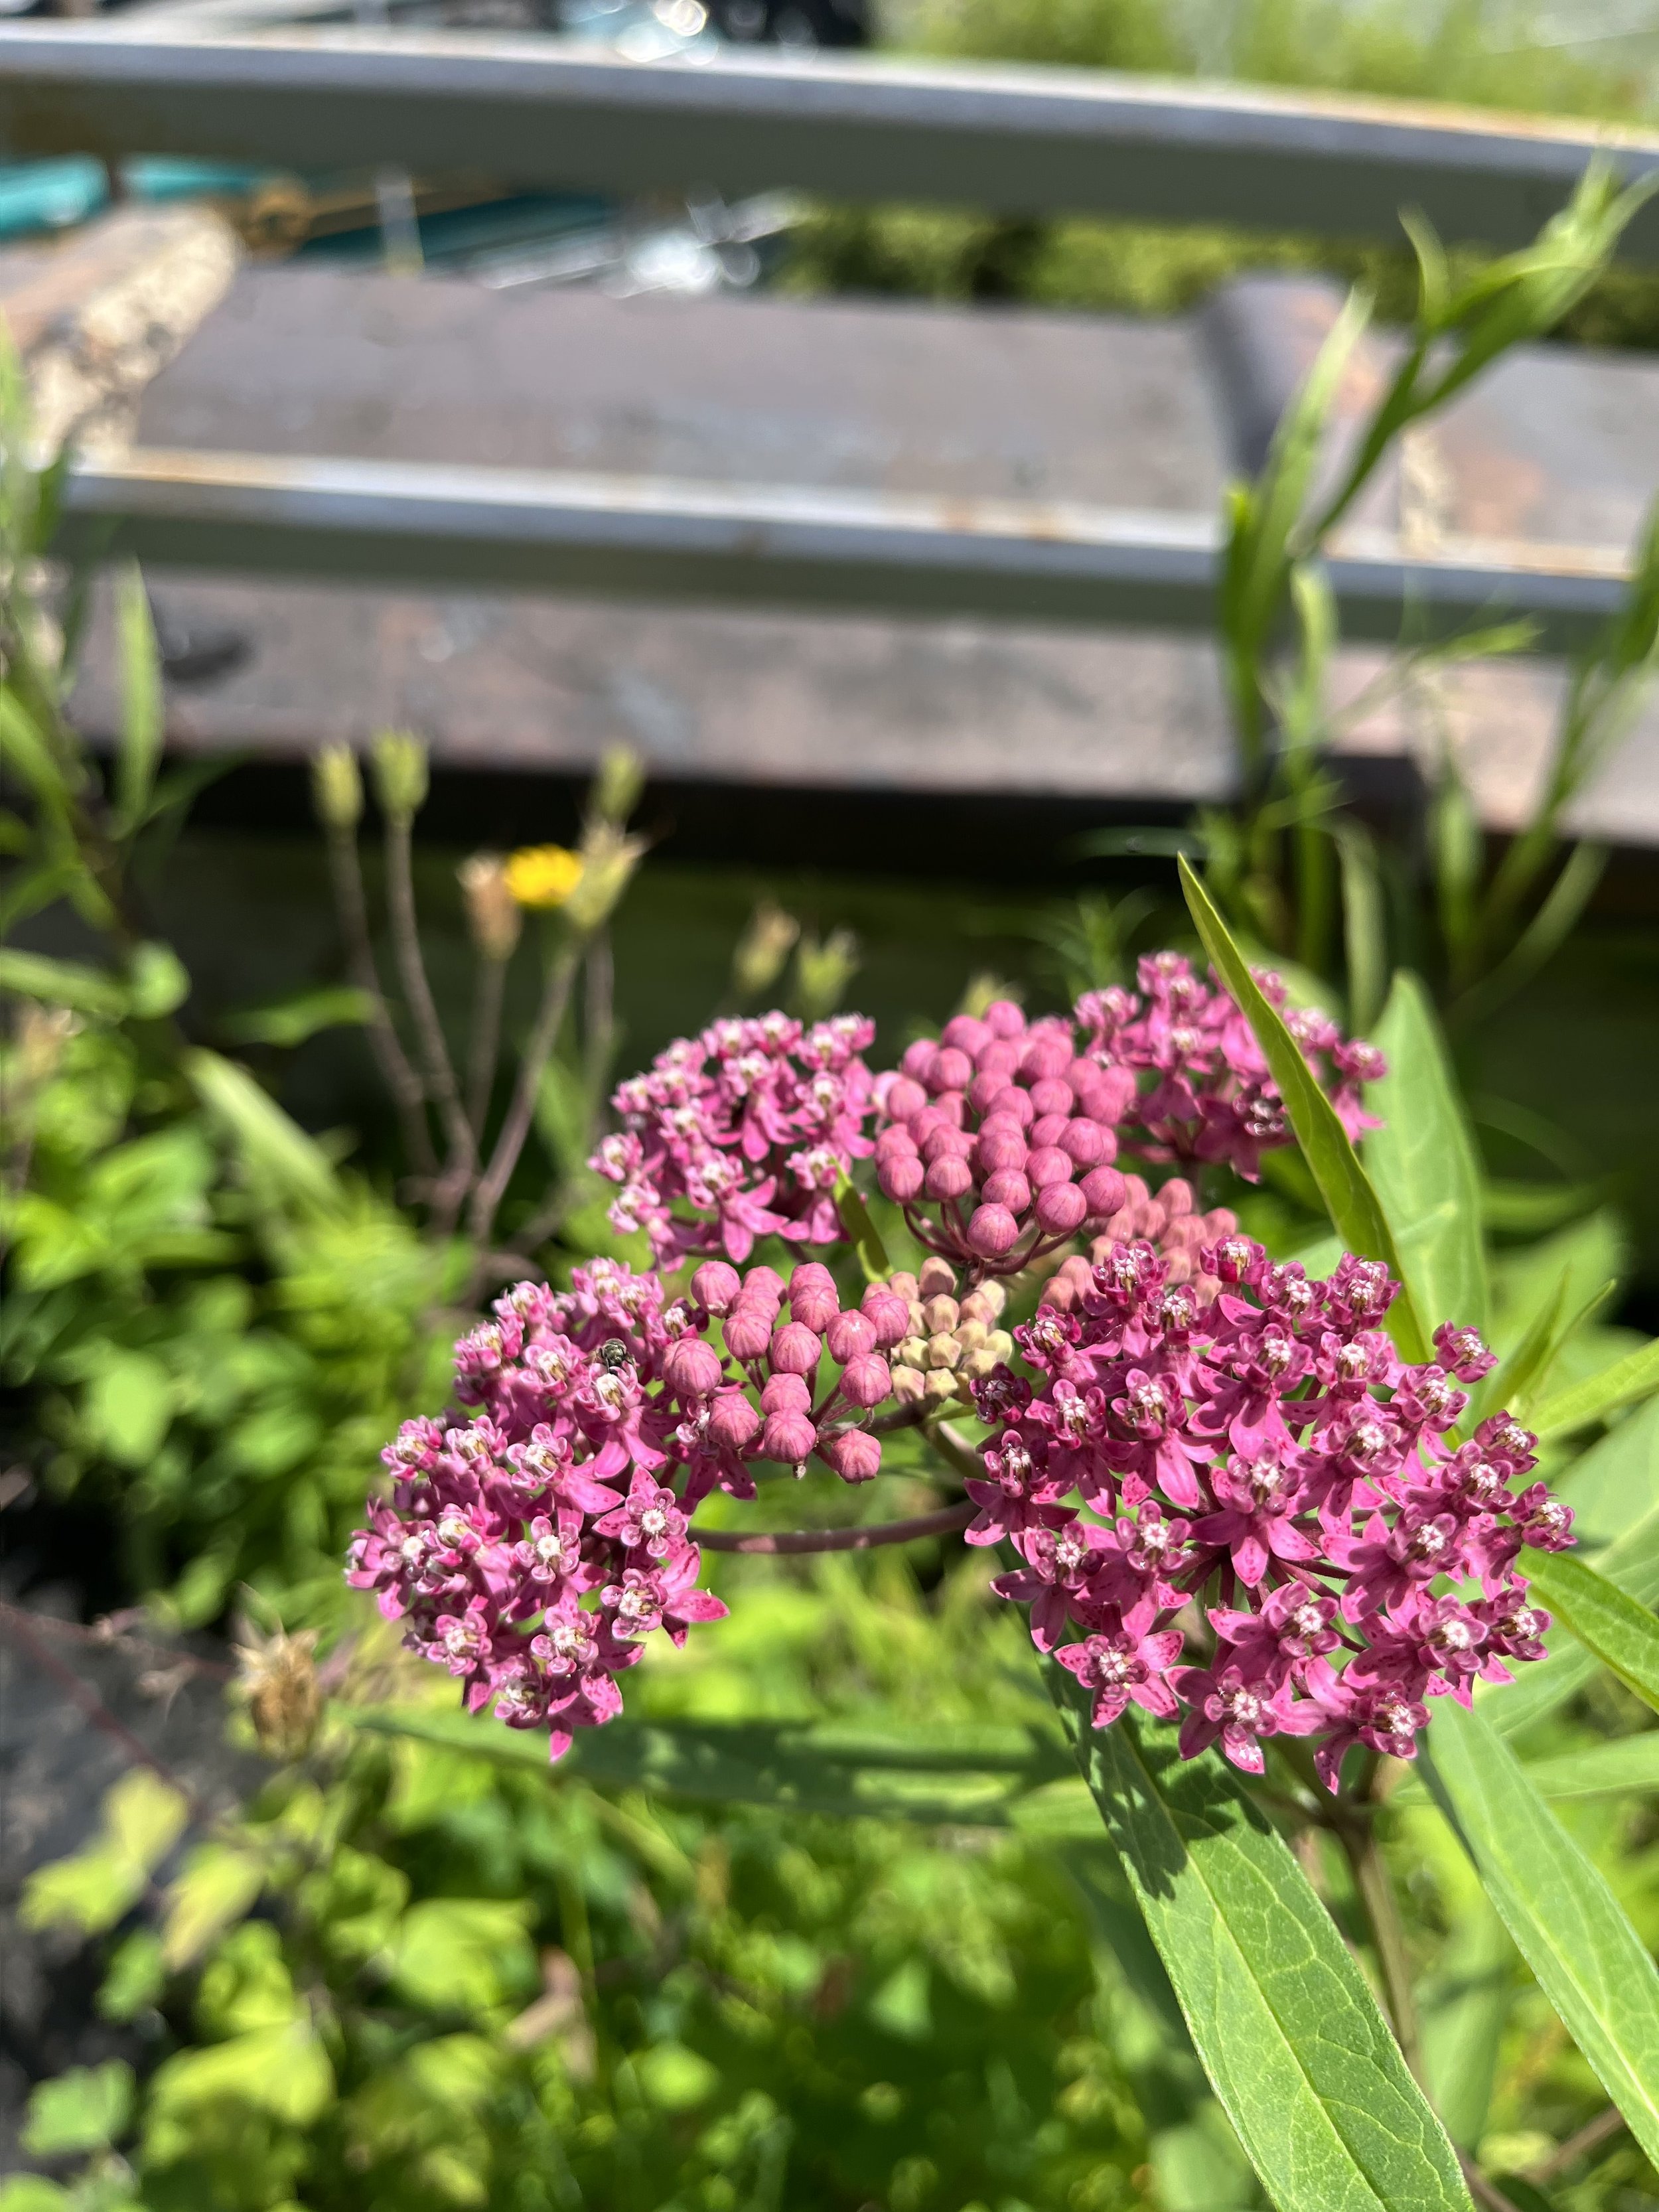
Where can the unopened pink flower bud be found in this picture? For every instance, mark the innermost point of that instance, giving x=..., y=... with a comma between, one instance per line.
x=1052, y=1094
x=787, y=1437
x=1060, y=1209
x=1011, y=1100
x=951, y=1071
x=1104, y=1191
x=1086, y=1144
x=1007, y=1187
x=764, y=1282
x=1176, y=1197
x=918, y=1059
x=813, y=1297
x=795, y=1349
x=985, y=1086
x=716, y=1285
x=785, y=1394
x=1002, y=1148
x=733, y=1420
x=848, y=1335
x=905, y=1098
x=866, y=1380
x=692, y=1367
x=887, y=1313
x=748, y=1330
x=993, y=1232
x=901, y=1179
x=965, y=1032
x=950, y=1176
x=1046, y=1056
x=894, y=1144
x=854, y=1455
x=1004, y=1018
x=1047, y=1165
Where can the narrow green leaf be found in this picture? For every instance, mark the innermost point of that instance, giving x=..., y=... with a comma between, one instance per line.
x=1603, y=1770
x=1567, y=1923
x=1364, y=933
x=1356, y=1213
x=866, y=1237
x=1291, y=2037
x=276, y=1151
x=141, y=701
x=1423, y=1166
x=969, y=1776
x=289, y=1021
x=61, y=983
x=1607, y=1620
x=1626, y=1382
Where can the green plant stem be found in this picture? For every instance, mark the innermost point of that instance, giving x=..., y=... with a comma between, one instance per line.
x=346, y=874
x=441, y=1085
x=1364, y=1853
x=556, y=998
x=865, y=1539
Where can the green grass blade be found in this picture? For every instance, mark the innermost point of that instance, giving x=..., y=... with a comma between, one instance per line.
x=1423, y=1165
x=1567, y=1923
x=1607, y=1620
x=1626, y=1382
x=1355, y=1212
x=141, y=712
x=1298, y=2054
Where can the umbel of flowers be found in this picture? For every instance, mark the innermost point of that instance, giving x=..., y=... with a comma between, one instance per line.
x=1229, y=1497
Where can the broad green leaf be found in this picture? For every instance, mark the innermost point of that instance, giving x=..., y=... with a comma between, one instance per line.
x=1588, y=1959
x=85, y=2110
x=1518, y=1381
x=1289, y=2035
x=128, y=1405
x=1625, y=1383
x=463, y=1953
x=276, y=1151
x=142, y=1817
x=1423, y=1166
x=61, y=983
x=1608, y=1621
x=217, y=1885
x=283, y=2071
x=141, y=701
x=1356, y=1213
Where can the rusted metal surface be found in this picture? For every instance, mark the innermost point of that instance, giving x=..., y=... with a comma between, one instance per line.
x=538, y=112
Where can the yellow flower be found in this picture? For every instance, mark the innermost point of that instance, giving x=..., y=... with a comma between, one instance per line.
x=542, y=875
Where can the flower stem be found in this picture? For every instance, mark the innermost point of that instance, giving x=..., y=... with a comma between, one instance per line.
x=941, y=1523
x=345, y=871
x=441, y=1085
x=492, y=1184
x=1358, y=1839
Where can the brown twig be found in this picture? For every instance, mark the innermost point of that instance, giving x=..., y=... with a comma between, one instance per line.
x=1363, y=1852
x=1589, y=2137
x=346, y=874
x=485, y=1041
x=840, y=1539
x=1482, y=2189
x=106, y=1635
x=492, y=1184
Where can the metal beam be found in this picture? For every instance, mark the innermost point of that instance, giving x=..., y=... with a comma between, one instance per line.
x=538, y=112
x=636, y=537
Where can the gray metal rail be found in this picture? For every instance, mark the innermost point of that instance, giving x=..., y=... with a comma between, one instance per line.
x=540, y=112
x=659, y=539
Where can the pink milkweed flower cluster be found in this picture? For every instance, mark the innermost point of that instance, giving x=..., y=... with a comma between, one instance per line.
x=1265, y=1452
x=742, y=1133
x=1210, y=1096
x=1000, y=1140
x=533, y=1543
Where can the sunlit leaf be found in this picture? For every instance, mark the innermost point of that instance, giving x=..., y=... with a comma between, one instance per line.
x=1566, y=1920
x=1607, y=1620
x=1289, y=2035
x=1423, y=1165
x=1355, y=1212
